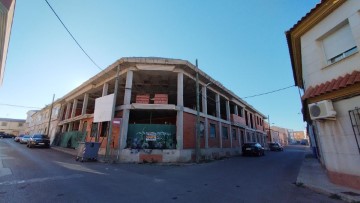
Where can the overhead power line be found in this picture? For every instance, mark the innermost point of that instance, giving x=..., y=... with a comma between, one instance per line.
x=27, y=107
x=256, y=95
x=72, y=36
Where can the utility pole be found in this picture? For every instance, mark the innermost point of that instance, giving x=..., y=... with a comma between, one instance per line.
x=269, y=129
x=52, y=104
x=107, y=154
x=197, y=147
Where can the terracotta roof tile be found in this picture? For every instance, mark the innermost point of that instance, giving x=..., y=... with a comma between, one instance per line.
x=312, y=92
x=308, y=92
x=323, y=90
x=357, y=78
x=333, y=85
x=351, y=79
x=344, y=81
x=317, y=90
x=337, y=84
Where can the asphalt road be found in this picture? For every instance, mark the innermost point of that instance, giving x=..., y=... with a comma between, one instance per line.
x=47, y=175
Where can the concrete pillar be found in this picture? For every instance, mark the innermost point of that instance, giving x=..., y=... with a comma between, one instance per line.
x=180, y=113
x=227, y=110
x=70, y=127
x=236, y=110
x=206, y=123
x=63, y=129
x=126, y=111
x=73, y=111
x=61, y=113
x=217, y=100
x=105, y=89
x=228, y=119
x=85, y=103
x=218, y=115
x=67, y=113
x=128, y=86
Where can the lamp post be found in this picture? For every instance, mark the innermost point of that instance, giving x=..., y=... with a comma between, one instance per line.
x=51, y=108
x=197, y=147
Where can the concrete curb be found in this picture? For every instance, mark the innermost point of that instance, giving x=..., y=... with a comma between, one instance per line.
x=313, y=176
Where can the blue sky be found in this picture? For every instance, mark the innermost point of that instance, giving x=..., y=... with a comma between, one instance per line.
x=237, y=42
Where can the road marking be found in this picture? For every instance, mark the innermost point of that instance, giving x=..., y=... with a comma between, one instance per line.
x=4, y=171
x=78, y=168
x=158, y=180
x=35, y=180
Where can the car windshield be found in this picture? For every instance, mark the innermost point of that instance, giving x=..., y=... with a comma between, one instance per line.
x=26, y=136
x=39, y=136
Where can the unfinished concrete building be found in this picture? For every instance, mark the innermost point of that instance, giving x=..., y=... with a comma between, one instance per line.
x=155, y=113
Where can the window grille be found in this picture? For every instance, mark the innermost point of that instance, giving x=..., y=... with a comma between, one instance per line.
x=355, y=123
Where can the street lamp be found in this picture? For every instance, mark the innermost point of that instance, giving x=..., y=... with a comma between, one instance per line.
x=197, y=147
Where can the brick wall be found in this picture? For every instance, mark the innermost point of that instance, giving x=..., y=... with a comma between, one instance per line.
x=235, y=142
x=190, y=132
x=226, y=143
x=214, y=142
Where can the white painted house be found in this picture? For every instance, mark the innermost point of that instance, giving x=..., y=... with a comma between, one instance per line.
x=324, y=51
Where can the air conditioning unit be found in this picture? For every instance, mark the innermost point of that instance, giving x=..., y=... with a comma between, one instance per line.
x=322, y=110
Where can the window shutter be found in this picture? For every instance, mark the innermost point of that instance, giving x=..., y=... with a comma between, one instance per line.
x=338, y=42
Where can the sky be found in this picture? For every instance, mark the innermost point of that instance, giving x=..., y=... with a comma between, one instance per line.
x=239, y=43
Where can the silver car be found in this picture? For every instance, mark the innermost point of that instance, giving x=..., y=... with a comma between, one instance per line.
x=24, y=139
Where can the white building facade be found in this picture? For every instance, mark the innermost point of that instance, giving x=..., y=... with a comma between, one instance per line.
x=324, y=50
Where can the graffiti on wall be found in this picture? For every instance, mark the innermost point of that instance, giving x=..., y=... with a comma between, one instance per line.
x=151, y=136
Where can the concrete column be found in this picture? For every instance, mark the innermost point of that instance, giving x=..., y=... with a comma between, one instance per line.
x=227, y=110
x=204, y=107
x=85, y=103
x=67, y=113
x=180, y=113
x=217, y=100
x=105, y=89
x=236, y=110
x=126, y=111
x=63, y=129
x=228, y=119
x=128, y=86
x=239, y=137
x=61, y=113
x=73, y=111
x=218, y=115
x=70, y=127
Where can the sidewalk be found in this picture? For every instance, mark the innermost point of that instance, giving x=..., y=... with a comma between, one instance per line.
x=66, y=150
x=74, y=152
x=314, y=177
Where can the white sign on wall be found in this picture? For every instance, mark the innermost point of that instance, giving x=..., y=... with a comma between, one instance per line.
x=103, y=108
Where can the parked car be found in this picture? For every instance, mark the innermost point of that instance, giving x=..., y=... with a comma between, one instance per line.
x=24, y=139
x=253, y=148
x=38, y=140
x=274, y=146
x=17, y=138
x=5, y=135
